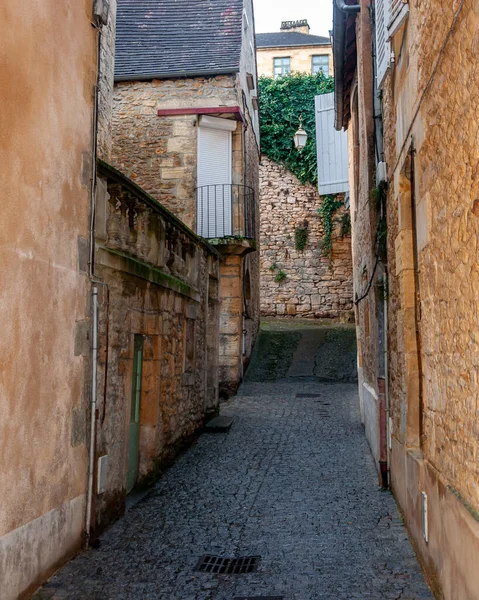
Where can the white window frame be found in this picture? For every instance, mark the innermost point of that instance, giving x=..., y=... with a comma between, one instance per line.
x=320, y=67
x=282, y=58
x=398, y=14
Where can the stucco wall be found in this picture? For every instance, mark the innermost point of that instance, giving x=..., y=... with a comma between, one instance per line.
x=45, y=146
x=314, y=286
x=301, y=58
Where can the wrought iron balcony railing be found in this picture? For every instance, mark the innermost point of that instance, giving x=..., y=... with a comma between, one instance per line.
x=225, y=210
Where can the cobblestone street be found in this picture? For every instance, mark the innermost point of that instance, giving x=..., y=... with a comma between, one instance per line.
x=292, y=482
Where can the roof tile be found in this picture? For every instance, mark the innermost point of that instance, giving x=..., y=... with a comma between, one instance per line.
x=162, y=38
x=289, y=38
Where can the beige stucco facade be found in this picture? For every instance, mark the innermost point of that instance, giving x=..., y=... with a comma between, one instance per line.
x=301, y=58
x=429, y=103
x=45, y=150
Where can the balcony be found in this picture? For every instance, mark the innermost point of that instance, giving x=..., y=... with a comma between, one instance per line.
x=137, y=235
x=225, y=212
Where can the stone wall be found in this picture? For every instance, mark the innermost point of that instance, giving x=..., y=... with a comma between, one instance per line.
x=313, y=286
x=368, y=315
x=301, y=58
x=160, y=154
x=430, y=141
x=162, y=283
x=434, y=396
x=105, y=85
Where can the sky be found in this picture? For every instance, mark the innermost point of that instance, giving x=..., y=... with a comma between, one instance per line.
x=269, y=14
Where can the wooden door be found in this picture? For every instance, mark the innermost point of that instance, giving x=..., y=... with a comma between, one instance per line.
x=134, y=441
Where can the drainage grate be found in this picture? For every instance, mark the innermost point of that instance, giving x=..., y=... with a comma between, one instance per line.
x=228, y=566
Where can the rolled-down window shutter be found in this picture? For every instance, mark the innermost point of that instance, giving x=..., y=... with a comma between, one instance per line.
x=382, y=43
x=332, y=149
x=214, y=200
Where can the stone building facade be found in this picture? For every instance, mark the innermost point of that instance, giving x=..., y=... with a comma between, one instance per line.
x=417, y=333
x=296, y=50
x=47, y=169
x=158, y=295
x=168, y=123
x=314, y=286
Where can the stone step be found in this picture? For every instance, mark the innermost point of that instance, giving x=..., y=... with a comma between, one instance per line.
x=219, y=424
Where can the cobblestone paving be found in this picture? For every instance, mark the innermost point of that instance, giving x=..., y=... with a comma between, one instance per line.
x=293, y=482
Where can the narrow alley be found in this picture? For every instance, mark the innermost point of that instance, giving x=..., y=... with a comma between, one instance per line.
x=292, y=482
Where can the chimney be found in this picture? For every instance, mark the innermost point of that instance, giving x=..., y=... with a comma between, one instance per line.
x=297, y=26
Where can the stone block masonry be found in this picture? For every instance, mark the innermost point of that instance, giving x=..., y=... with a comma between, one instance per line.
x=313, y=285
x=160, y=154
x=160, y=286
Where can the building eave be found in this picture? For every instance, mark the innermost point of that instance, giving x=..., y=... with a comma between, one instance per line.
x=344, y=58
x=302, y=46
x=177, y=75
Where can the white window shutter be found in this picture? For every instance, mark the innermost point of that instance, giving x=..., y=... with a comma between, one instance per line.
x=214, y=202
x=398, y=14
x=331, y=148
x=382, y=39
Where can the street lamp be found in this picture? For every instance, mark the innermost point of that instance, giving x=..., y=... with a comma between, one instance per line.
x=300, y=137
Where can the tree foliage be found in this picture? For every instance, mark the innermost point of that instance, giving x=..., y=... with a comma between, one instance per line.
x=282, y=101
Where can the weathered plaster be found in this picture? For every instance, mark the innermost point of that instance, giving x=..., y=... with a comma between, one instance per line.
x=44, y=148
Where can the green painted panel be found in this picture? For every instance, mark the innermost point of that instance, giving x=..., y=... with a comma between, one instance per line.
x=134, y=441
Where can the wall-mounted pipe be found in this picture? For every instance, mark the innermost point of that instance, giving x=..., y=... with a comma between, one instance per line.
x=348, y=8
x=91, y=464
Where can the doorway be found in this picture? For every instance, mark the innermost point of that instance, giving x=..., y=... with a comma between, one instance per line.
x=214, y=189
x=134, y=440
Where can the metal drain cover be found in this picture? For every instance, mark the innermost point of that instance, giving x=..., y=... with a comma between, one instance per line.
x=228, y=566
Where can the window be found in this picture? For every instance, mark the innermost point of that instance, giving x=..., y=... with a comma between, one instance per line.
x=398, y=13
x=281, y=65
x=321, y=63
x=382, y=40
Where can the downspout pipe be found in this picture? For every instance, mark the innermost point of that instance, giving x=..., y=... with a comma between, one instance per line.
x=91, y=464
x=348, y=8
x=94, y=295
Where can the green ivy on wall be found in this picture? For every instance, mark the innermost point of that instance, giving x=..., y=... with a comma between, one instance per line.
x=329, y=206
x=301, y=236
x=282, y=100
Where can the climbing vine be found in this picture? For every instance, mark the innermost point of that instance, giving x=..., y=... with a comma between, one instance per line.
x=329, y=206
x=345, y=223
x=301, y=236
x=379, y=196
x=282, y=100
